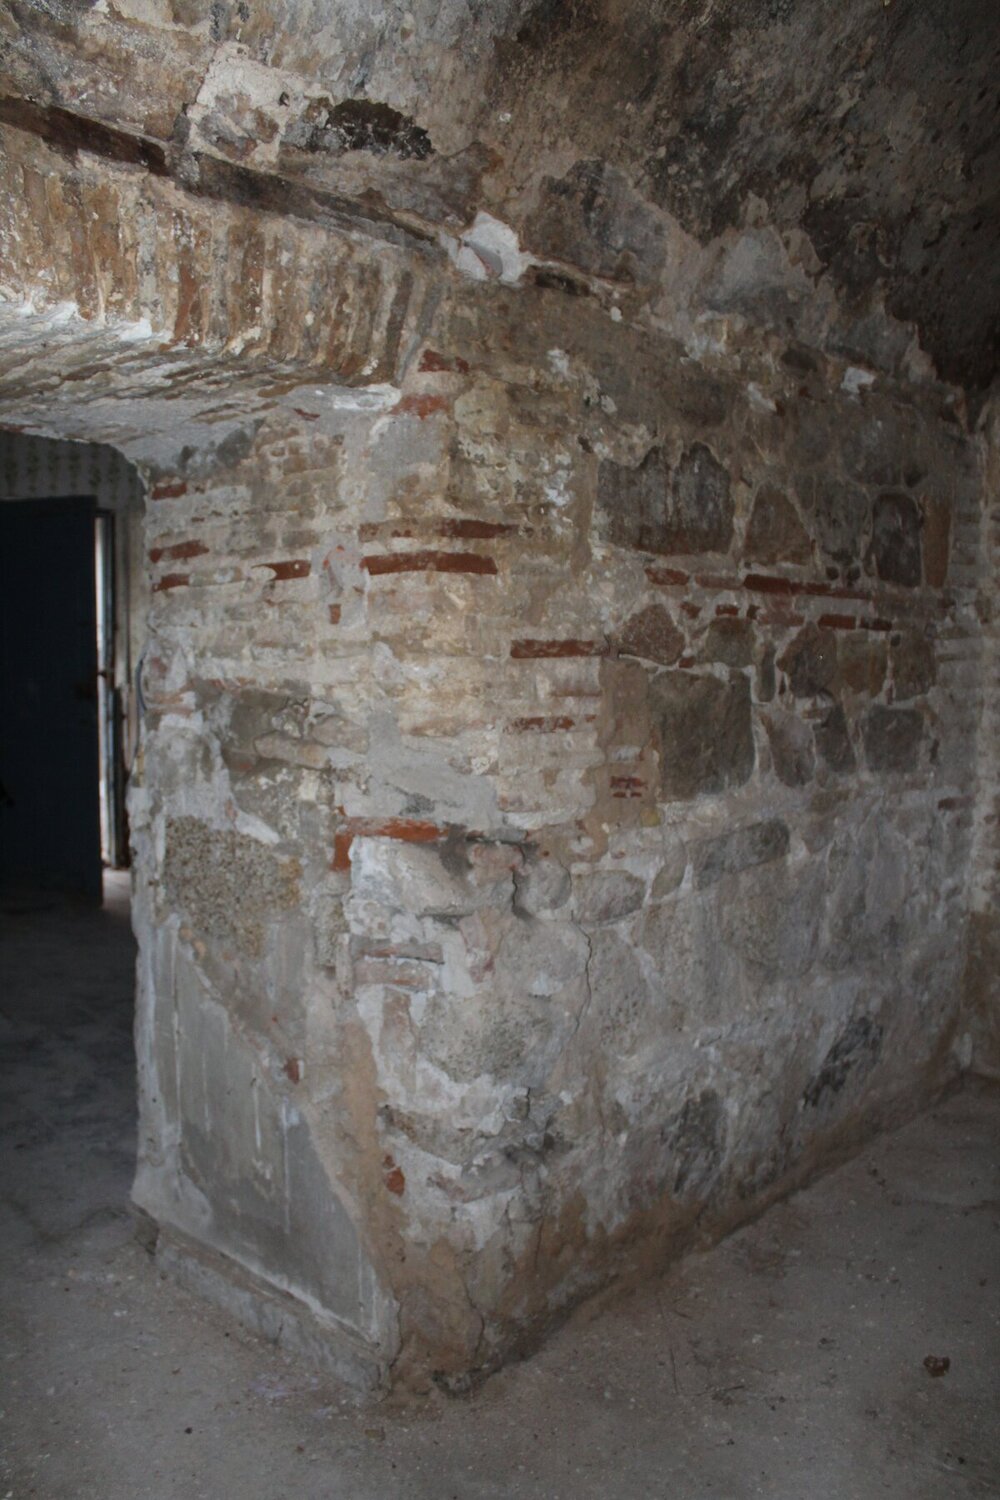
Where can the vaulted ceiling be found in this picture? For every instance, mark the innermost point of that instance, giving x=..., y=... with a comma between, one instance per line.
x=617, y=137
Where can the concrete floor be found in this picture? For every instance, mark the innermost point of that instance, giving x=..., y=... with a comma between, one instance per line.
x=787, y=1363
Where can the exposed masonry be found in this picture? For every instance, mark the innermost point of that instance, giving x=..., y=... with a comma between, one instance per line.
x=559, y=773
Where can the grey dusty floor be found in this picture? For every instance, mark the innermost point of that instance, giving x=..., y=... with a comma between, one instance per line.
x=787, y=1363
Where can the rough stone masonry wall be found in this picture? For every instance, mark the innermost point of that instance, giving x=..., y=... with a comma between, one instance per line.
x=983, y=960
x=556, y=800
x=559, y=796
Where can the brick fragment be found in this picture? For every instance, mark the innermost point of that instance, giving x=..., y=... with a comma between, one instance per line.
x=837, y=622
x=432, y=361
x=171, y=581
x=528, y=649
x=541, y=724
x=297, y=567
x=178, y=552
x=421, y=405
x=407, y=830
x=429, y=562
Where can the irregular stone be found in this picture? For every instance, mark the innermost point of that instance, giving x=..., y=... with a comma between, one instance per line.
x=228, y=885
x=702, y=508
x=593, y=218
x=539, y=957
x=416, y=878
x=937, y=542
x=852, y=1057
x=895, y=548
x=839, y=514
x=729, y=641
x=791, y=743
x=863, y=661
x=512, y=1038
x=542, y=885
x=670, y=874
x=766, y=677
x=769, y=915
x=892, y=738
x=652, y=635
x=870, y=453
x=706, y=738
x=810, y=662
x=606, y=896
x=619, y=993
x=694, y=1136
x=833, y=741
x=914, y=666
x=739, y=850
x=689, y=510
x=775, y=533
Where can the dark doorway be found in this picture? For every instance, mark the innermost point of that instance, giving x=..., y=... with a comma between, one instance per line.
x=50, y=824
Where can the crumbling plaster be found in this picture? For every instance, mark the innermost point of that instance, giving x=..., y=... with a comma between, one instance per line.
x=554, y=814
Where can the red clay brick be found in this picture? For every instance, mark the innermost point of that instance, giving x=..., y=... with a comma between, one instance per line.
x=429, y=562
x=527, y=649
x=666, y=576
x=432, y=361
x=837, y=622
x=179, y=552
x=297, y=567
x=541, y=725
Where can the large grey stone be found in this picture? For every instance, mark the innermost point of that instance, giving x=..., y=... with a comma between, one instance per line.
x=688, y=510
x=706, y=738
x=810, y=662
x=606, y=896
x=791, y=743
x=896, y=549
x=892, y=738
x=775, y=534
x=739, y=850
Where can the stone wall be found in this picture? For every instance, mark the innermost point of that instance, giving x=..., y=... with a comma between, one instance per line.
x=983, y=958
x=557, y=789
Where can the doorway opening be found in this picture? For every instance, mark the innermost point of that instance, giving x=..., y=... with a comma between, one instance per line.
x=69, y=515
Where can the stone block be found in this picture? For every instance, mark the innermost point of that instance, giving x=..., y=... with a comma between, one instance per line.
x=791, y=742
x=896, y=546
x=542, y=885
x=833, y=741
x=863, y=662
x=937, y=542
x=769, y=916
x=810, y=662
x=731, y=852
x=670, y=874
x=539, y=957
x=839, y=514
x=695, y=1138
x=914, y=666
x=775, y=533
x=652, y=635
x=892, y=738
x=421, y=880
x=729, y=641
x=650, y=508
x=706, y=736
x=620, y=998
x=851, y=1057
x=606, y=896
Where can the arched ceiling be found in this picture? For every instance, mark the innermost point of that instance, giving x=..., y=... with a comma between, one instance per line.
x=619, y=138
